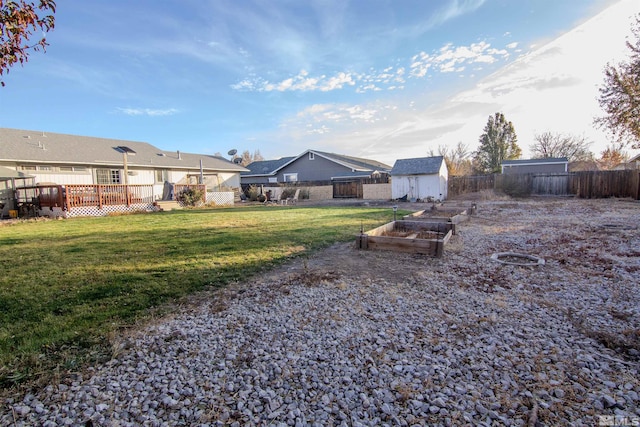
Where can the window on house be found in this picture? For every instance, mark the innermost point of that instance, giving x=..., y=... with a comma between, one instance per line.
x=290, y=177
x=312, y=156
x=28, y=168
x=273, y=180
x=162, y=175
x=45, y=168
x=107, y=176
x=72, y=169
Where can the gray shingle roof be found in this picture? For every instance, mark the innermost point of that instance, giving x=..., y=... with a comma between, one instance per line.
x=417, y=166
x=361, y=167
x=355, y=162
x=266, y=167
x=24, y=146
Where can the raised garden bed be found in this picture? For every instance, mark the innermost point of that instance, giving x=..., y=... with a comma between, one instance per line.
x=408, y=236
x=441, y=213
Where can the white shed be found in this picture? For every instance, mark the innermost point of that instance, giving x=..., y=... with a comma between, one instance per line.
x=419, y=178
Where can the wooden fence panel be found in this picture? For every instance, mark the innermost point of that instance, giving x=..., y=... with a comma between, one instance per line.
x=601, y=184
x=469, y=184
x=557, y=185
x=587, y=184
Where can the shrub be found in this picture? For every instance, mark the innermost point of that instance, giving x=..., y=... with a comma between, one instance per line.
x=252, y=193
x=288, y=192
x=190, y=196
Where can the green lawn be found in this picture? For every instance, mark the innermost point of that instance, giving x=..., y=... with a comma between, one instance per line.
x=66, y=286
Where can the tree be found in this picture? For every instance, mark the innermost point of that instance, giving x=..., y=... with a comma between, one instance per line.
x=620, y=95
x=18, y=21
x=497, y=143
x=612, y=156
x=248, y=158
x=574, y=148
x=457, y=159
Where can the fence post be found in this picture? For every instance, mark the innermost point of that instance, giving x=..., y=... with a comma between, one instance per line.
x=99, y=196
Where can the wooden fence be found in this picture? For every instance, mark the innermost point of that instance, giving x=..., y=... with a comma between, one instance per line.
x=587, y=184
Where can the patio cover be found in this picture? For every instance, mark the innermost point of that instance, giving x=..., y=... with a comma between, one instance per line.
x=7, y=173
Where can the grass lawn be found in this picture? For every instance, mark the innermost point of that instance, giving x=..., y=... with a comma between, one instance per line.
x=66, y=286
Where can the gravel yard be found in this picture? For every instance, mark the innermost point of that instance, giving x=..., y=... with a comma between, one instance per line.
x=370, y=338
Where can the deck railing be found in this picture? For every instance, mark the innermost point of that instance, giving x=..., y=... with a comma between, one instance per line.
x=106, y=195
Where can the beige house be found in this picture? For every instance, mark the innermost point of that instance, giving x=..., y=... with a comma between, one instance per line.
x=72, y=160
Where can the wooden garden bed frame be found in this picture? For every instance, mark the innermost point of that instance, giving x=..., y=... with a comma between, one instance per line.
x=376, y=238
x=431, y=215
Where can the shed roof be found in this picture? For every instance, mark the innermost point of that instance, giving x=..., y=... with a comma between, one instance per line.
x=25, y=146
x=418, y=166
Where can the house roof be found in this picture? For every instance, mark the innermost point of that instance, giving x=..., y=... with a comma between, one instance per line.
x=543, y=161
x=418, y=166
x=25, y=146
x=357, y=165
x=266, y=167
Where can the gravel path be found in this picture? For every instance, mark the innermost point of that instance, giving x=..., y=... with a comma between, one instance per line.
x=364, y=338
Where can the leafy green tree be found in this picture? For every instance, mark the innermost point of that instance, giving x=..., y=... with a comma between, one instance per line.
x=574, y=148
x=620, y=95
x=18, y=21
x=497, y=143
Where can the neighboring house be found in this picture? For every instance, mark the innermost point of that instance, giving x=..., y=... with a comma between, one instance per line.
x=547, y=165
x=70, y=159
x=313, y=167
x=264, y=171
x=420, y=178
x=583, y=165
x=632, y=164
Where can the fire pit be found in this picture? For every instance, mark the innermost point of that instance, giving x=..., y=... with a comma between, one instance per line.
x=514, y=258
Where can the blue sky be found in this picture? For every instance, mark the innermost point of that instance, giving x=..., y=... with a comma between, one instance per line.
x=383, y=79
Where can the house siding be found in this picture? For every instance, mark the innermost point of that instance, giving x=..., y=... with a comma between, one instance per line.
x=318, y=169
x=533, y=168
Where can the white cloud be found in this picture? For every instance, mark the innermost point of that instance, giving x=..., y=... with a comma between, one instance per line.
x=337, y=82
x=148, y=112
x=553, y=88
x=447, y=59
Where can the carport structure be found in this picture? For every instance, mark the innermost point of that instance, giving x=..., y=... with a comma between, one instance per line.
x=10, y=179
